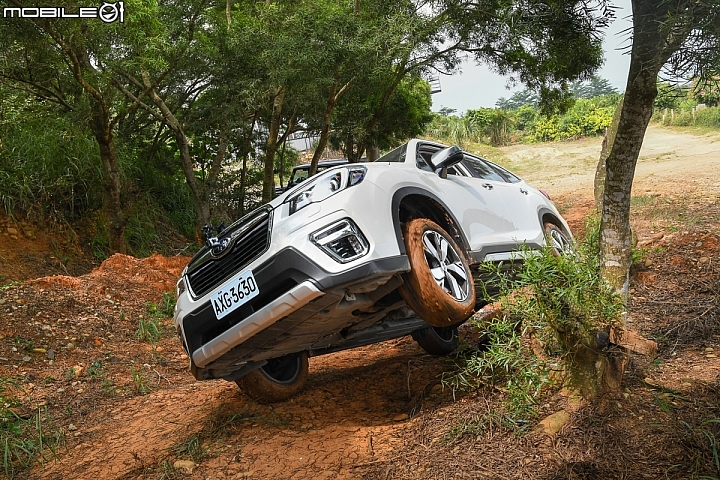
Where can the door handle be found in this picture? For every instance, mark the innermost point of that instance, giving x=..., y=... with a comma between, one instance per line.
x=487, y=185
x=523, y=191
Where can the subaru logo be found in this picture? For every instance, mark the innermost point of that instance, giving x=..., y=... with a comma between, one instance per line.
x=220, y=247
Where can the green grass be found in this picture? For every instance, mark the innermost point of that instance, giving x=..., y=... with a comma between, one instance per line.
x=25, y=439
x=142, y=386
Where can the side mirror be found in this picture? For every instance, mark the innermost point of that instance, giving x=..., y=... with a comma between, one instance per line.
x=446, y=158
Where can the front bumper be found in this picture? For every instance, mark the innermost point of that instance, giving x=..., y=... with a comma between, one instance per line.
x=294, y=289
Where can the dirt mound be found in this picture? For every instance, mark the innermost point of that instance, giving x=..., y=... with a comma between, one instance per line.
x=155, y=273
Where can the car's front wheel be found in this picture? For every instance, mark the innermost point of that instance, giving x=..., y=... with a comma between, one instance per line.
x=278, y=380
x=557, y=240
x=439, y=286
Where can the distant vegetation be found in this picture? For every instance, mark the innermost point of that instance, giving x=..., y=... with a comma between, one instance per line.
x=685, y=105
x=520, y=118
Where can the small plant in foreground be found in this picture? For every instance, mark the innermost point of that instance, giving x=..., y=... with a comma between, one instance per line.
x=556, y=310
x=148, y=330
x=25, y=439
x=141, y=385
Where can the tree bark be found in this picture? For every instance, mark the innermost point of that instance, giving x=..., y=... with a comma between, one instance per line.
x=112, y=202
x=325, y=130
x=271, y=145
x=651, y=49
x=608, y=141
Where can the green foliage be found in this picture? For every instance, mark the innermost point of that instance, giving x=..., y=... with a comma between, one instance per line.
x=150, y=327
x=25, y=440
x=554, y=303
x=506, y=364
x=49, y=167
x=149, y=330
x=141, y=384
x=585, y=118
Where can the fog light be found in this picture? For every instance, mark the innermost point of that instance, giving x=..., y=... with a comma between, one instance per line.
x=342, y=240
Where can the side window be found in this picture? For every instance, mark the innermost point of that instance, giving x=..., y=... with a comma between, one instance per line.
x=481, y=169
x=509, y=176
x=299, y=175
x=422, y=163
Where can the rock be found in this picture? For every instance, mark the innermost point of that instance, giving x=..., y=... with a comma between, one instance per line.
x=710, y=355
x=401, y=417
x=70, y=346
x=12, y=231
x=26, y=358
x=709, y=349
x=187, y=465
x=648, y=263
x=72, y=427
x=159, y=349
x=2, y=301
x=50, y=355
x=77, y=370
x=703, y=260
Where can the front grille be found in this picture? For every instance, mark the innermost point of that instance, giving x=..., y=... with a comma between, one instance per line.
x=247, y=247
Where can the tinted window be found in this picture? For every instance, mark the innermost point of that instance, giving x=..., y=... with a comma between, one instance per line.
x=422, y=163
x=509, y=176
x=481, y=169
x=397, y=155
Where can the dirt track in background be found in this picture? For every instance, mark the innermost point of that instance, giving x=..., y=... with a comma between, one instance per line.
x=371, y=412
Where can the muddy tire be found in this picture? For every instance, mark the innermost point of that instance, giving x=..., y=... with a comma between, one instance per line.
x=557, y=240
x=278, y=380
x=439, y=286
x=437, y=341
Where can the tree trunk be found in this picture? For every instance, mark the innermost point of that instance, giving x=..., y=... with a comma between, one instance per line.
x=373, y=153
x=271, y=146
x=112, y=182
x=651, y=48
x=325, y=131
x=610, y=133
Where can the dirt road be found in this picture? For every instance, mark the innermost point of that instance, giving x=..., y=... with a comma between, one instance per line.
x=372, y=412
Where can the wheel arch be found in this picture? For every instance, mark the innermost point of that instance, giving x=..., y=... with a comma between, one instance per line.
x=546, y=215
x=413, y=202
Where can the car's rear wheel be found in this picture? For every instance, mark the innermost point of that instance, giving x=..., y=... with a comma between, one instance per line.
x=437, y=341
x=439, y=286
x=557, y=240
x=278, y=380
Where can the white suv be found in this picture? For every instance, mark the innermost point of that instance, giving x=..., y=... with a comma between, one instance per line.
x=358, y=254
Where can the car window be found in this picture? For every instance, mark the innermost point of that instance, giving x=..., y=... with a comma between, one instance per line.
x=422, y=163
x=299, y=175
x=481, y=169
x=397, y=155
x=509, y=176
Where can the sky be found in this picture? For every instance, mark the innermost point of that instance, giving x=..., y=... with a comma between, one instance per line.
x=476, y=86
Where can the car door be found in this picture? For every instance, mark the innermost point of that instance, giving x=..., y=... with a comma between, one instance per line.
x=480, y=209
x=521, y=200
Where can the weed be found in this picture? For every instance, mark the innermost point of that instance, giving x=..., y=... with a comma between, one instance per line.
x=98, y=371
x=25, y=440
x=141, y=383
x=192, y=447
x=148, y=330
x=23, y=343
x=554, y=305
x=169, y=472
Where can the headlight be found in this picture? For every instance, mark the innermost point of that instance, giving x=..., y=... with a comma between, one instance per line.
x=326, y=186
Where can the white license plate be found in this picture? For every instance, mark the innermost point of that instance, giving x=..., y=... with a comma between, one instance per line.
x=235, y=294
